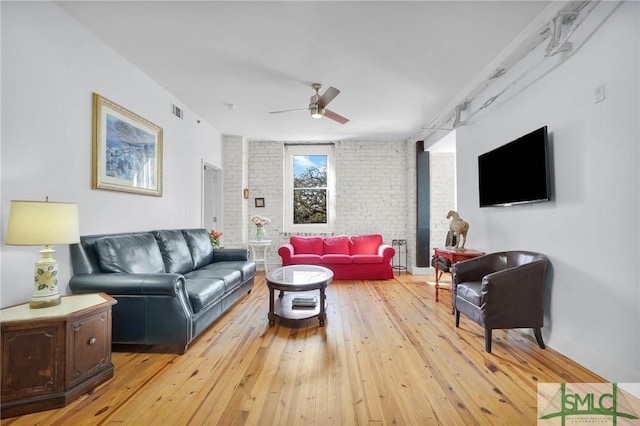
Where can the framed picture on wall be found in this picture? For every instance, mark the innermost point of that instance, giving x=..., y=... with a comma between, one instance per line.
x=259, y=202
x=127, y=150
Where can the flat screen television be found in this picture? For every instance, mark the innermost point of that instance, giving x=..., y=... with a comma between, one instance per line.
x=516, y=173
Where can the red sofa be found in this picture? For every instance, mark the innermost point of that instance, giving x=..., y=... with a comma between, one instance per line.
x=358, y=257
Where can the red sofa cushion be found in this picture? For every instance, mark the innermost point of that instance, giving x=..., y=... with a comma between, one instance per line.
x=336, y=245
x=307, y=245
x=365, y=244
x=306, y=259
x=366, y=258
x=342, y=259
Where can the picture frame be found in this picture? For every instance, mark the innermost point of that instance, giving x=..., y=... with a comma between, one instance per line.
x=259, y=202
x=127, y=150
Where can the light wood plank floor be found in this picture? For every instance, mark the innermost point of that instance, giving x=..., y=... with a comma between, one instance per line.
x=388, y=355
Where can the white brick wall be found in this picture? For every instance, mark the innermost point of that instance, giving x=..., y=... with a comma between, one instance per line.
x=234, y=179
x=443, y=198
x=375, y=191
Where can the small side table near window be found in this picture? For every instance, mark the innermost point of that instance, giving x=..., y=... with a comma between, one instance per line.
x=51, y=356
x=259, y=249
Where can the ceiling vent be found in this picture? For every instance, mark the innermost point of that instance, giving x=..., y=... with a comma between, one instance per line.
x=178, y=112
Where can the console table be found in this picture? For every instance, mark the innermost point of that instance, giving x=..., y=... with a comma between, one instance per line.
x=51, y=356
x=454, y=255
x=255, y=245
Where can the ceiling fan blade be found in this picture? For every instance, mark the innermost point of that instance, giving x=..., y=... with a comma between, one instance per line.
x=287, y=110
x=335, y=117
x=328, y=96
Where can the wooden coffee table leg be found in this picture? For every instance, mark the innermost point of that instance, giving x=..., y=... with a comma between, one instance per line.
x=322, y=315
x=272, y=313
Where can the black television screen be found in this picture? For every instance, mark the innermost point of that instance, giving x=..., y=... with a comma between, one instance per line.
x=517, y=172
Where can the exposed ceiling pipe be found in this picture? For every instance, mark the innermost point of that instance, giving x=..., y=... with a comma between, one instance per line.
x=561, y=24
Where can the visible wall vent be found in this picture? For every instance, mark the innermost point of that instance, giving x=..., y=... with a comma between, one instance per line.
x=178, y=112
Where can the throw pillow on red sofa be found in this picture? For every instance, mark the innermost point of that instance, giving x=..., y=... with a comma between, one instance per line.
x=307, y=245
x=336, y=245
x=365, y=244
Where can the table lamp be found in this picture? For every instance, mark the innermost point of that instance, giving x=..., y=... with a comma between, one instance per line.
x=37, y=223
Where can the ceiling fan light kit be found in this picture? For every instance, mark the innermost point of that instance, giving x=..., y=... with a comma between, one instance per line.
x=316, y=111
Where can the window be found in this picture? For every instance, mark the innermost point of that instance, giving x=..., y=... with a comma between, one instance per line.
x=309, y=188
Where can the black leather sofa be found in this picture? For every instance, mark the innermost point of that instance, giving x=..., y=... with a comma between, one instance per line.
x=170, y=284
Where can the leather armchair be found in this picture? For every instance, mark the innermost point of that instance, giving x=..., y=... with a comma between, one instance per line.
x=501, y=290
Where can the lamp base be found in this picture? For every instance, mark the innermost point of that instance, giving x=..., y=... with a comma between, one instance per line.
x=37, y=304
x=45, y=292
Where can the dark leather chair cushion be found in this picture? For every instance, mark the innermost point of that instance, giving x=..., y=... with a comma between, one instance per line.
x=133, y=254
x=470, y=291
x=199, y=243
x=175, y=251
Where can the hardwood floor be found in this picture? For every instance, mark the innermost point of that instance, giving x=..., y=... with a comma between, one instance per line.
x=388, y=355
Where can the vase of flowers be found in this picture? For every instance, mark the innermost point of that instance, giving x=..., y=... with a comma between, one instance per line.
x=260, y=222
x=215, y=238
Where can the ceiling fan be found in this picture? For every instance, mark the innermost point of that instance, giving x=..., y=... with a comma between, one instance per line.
x=318, y=104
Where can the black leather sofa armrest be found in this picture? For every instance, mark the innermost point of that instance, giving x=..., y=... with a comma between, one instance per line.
x=128, y=284
x=222, y=255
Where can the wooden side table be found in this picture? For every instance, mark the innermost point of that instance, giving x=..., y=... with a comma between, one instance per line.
x=51, y=356
x=255, y=245
x=454, y=255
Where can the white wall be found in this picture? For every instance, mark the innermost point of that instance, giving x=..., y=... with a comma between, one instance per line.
x=442, y=184
x=50, y=67
x=590, y=230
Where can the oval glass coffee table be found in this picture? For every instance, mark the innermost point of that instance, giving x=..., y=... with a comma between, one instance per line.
x=298, y=303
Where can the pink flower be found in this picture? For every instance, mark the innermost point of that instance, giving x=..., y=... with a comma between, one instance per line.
x=215, y=238
x=260, y=220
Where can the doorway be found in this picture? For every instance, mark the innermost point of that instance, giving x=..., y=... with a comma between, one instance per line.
x=211, y=197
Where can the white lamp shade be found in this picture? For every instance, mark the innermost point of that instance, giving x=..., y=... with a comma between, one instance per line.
x=39, y=223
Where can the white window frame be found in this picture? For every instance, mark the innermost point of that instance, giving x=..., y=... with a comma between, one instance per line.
x=308, y=149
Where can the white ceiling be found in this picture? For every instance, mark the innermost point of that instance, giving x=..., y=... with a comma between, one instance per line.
x=397, y=64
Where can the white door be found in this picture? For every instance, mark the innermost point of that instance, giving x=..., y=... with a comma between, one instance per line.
x=211, y=198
